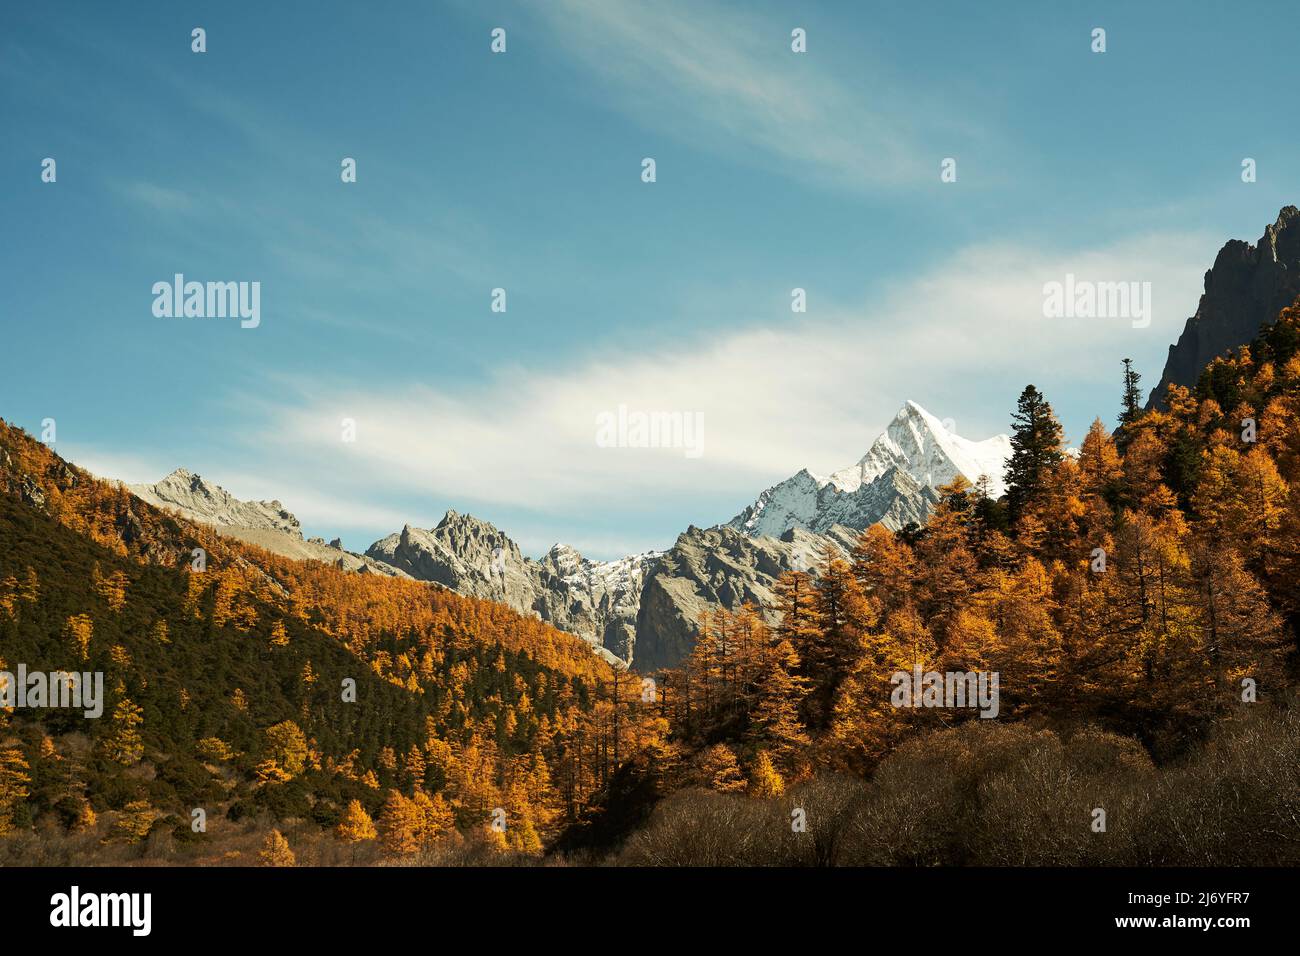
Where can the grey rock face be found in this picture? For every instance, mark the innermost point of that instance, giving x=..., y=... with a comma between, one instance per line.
x=643, y=609
x=1245, y=289
x=892, y=485
x=462, y=553
x=202, y=501
x=893, y=499
x=596, y=600
x=263, y=523
x=711, y=567
x=595, y=597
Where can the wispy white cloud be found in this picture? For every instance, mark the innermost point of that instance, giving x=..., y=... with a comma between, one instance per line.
x=311, y=502
x=726, y=78
x=961, y=339
x=114, y=465
x=317, y=505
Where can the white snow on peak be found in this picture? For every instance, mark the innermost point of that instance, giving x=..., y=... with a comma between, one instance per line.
x=916, y=444
x=619, y=574
x=931, y=452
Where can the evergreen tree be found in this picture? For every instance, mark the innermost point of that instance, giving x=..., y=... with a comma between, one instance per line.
x=718, y=769
x=884, y=565
x=286, y=745
x=775, y=724
x=1100, y=469
x=1035, y=449
x=799, y=627
x=842, y=613
x=987, y=514
x=1131, y=404
x=436, y=816
x=134, y=822
x=124, y=745
x=796, y=597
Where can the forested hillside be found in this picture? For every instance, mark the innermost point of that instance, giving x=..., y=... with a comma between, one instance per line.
x=227, y=671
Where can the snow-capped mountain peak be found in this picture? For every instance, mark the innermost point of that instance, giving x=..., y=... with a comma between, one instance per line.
x=893, y=483
x=930, y=451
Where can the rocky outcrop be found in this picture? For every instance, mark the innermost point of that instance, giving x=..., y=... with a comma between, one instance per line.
x=643, y=609
x=595, y=597
x=462, y=553
x=263, y=523
x=712, y=567
x=314, y=549
x=211, y=504
x=596, y=600
x=894, y=484
x=1245, y=289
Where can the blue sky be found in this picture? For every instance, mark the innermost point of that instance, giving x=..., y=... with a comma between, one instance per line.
x=522, y=170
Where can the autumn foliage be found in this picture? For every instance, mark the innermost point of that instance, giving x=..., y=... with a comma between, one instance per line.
x=1147, y=587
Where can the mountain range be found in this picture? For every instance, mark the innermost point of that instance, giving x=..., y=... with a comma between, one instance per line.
x=597, y=600
x=643, y=608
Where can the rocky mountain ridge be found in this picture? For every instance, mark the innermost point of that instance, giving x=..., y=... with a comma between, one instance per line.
x=643, y=608
x=597, y=600
x=266, y=524
x=1246, y=288
x=718, y=567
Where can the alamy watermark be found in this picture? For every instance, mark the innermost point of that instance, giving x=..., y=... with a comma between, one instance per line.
x=1085, y=299
x=951, y=689
x=636, y=429
x=84, y=691
x=75, y=908
x=209, y=300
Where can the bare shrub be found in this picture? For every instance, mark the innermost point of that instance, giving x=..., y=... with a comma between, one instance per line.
x=702, y=828
x=1236, y=803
